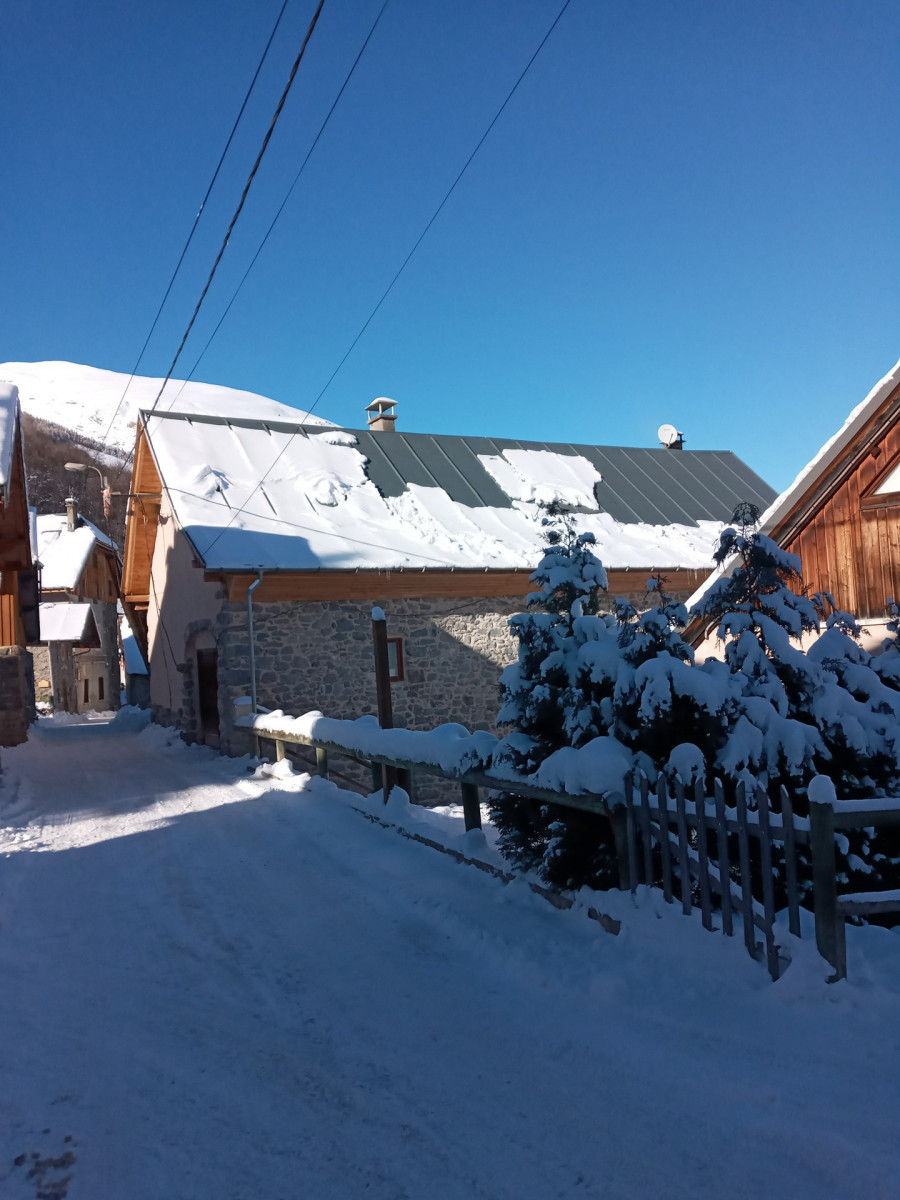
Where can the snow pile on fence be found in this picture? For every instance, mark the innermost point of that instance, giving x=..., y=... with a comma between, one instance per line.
x=597, y=768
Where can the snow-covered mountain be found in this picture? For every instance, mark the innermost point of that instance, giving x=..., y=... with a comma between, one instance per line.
x=84, y=399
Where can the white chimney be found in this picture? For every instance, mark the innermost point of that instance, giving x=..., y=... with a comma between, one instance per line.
x=71, y=514
x=381, y=415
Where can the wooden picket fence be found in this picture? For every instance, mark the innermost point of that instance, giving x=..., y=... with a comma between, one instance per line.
x=667, y=834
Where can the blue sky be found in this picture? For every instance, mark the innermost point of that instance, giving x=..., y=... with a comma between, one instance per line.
x=687, y=213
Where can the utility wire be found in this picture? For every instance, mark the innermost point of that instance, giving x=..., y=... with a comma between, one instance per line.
x=290, y=191
x=238, y=511
x=244, y=194
x=190, y=238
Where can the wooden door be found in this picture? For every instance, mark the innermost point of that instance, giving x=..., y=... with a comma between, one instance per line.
x=208, y=693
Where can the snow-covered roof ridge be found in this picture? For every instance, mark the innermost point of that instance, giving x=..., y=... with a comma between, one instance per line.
x=9, y=411
x=820, y=463
x=85, y=399
x=254, y=494
x=63, y=552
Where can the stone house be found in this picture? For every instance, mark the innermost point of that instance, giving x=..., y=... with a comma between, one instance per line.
x=255, y=551
x=18, y=579
x=79, y=629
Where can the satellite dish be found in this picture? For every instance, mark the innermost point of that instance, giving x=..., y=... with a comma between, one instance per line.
x=668, y=435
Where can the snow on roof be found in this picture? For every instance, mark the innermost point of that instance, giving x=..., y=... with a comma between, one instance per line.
x=134, y=662
x=818, y=465
x=544, y=477
x=62, y=622
x=64, y=553
x=85, y=399
x=9, y=409
x=318, y=508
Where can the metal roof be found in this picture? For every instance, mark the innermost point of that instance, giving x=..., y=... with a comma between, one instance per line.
x=639, y=485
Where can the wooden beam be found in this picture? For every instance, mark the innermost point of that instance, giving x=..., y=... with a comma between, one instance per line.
x=367, y=586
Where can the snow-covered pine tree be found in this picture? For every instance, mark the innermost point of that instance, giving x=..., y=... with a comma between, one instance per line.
x=541, y=700
x=582, y=675
x=826, y=710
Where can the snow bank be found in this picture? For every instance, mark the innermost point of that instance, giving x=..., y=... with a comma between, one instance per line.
x=84, y=399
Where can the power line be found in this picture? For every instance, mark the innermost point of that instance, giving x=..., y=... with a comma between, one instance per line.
x=238, y=511
x=244, y=194
x=190, y=238
x=287, y=197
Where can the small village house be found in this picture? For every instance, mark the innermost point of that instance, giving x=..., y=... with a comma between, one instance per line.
x=79, y=655
x=300, y=530
x=18, y=580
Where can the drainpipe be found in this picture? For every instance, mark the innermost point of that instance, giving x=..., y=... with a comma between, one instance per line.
x=250, y=590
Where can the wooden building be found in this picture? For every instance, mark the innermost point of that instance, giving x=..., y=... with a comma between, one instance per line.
x=18, y=582
x=255, y=551
x=842, y=514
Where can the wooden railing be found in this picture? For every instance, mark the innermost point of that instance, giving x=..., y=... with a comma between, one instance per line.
x=698, y=850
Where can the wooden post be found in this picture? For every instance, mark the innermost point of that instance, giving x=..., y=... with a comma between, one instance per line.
x=768, y=887
x=618, y=819
x=646, y=835
x=829, y=937
x=471, y=806
x=724, y=861
x=684, y=867
x=321, y=762
x=279, y=750
x=665, y=850
x=744, y=860
x=790, y=862
x=702, y=853
x=631, y=828
x=388, y=775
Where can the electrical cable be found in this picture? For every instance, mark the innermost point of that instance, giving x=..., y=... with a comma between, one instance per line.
x=190, y=238
x=281, y=208
x=238, y=511
x=244, y=194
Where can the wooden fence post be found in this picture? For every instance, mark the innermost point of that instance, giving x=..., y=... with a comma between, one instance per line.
x=387, y=775
x=618, y=818
x=829, y=919
x=471, y=806
x=321, y=762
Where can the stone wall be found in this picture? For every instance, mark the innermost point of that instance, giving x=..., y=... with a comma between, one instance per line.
x=16, y=694
x=319, y=656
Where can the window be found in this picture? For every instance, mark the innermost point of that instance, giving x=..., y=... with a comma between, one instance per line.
x=87, y=690
x=100, y=688
x=395, y=659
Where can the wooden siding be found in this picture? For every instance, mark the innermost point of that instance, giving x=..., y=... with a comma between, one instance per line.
x=143, y=520
x=385, y=585
x=849, y=542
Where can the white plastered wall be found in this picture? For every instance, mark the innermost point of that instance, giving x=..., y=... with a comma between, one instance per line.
x=184, y=598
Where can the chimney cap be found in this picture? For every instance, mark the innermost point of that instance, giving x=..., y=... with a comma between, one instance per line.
x=381, y=404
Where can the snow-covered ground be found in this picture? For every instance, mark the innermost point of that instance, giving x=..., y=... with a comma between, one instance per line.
x=215, y=985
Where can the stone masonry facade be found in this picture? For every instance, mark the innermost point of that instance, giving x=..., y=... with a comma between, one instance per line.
x=319, y=655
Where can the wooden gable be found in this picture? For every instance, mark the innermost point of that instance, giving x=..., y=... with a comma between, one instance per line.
x=16, y=569
x=845, y=525
x=143, y=521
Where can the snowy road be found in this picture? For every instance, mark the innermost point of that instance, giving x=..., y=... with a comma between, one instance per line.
x=216, y=987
